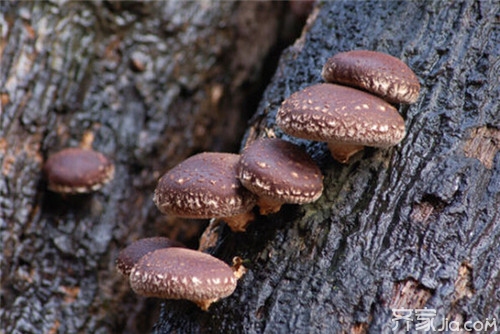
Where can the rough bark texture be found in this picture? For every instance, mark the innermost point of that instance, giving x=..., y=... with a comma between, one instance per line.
x=147, y=84
x=411, y=227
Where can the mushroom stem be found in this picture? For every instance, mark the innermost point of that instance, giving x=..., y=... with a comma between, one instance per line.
x=268, y=206
x=87, y=140
x=204, y=304
x=342, y=152
x=239, y=223
x=238, y=268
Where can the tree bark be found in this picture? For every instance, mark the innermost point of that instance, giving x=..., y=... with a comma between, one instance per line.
x=411, y=227
x=147, y=84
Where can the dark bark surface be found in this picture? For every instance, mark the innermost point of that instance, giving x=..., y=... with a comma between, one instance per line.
x=411, y=227
x=147, y=84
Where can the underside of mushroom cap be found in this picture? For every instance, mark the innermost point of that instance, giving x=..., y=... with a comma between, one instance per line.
x=333, y=113
x=180, y=273
x=280, y=171
x=204, y=186
x=376, y=72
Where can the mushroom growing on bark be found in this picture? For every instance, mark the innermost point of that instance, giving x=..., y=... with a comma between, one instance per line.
x=346, y=118
x=131, y=254
x=78, y=170
x=279, y=172
x=181, y=273
x=205, y=186
x=376, y=72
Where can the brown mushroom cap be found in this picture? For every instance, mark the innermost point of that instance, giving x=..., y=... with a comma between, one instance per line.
x=131, y=254
x=280, y=171
x=204, y=186
x=375, y=72
x=180, y=273
x=77, y=170
x=333, y=113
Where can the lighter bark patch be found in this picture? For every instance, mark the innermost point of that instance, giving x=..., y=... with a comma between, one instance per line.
x=483, y=144
x=409, y=294
x=463, y=283
x=359, y=328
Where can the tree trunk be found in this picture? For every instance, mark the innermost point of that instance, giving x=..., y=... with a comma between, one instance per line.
x=407, y=228
x=147, y=84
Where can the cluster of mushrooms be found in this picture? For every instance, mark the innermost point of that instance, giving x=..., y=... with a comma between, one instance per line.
x=351, y=110
x=226, y=186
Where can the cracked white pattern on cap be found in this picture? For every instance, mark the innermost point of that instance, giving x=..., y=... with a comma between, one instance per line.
x=281, y=171
x=181, y=273
x=375, y=72
x=345, y=115
x=203, y=186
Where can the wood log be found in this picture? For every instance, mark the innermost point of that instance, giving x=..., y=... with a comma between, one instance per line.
x=410, y=228
x=145, y=83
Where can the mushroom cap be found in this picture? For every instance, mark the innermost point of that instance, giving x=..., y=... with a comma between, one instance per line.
x=131, y=254
x=375, y=72
x=181, y=273
x=279, y=170
x=204, y=186
x=78, y=170
x=333, y=113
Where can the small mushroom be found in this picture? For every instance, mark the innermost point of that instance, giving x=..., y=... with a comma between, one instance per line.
x=346, y=118
x=77, y=170
x=279, y=172
x=131, y=254
x=205, y=186
x=376, y=72
x=181, y=273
